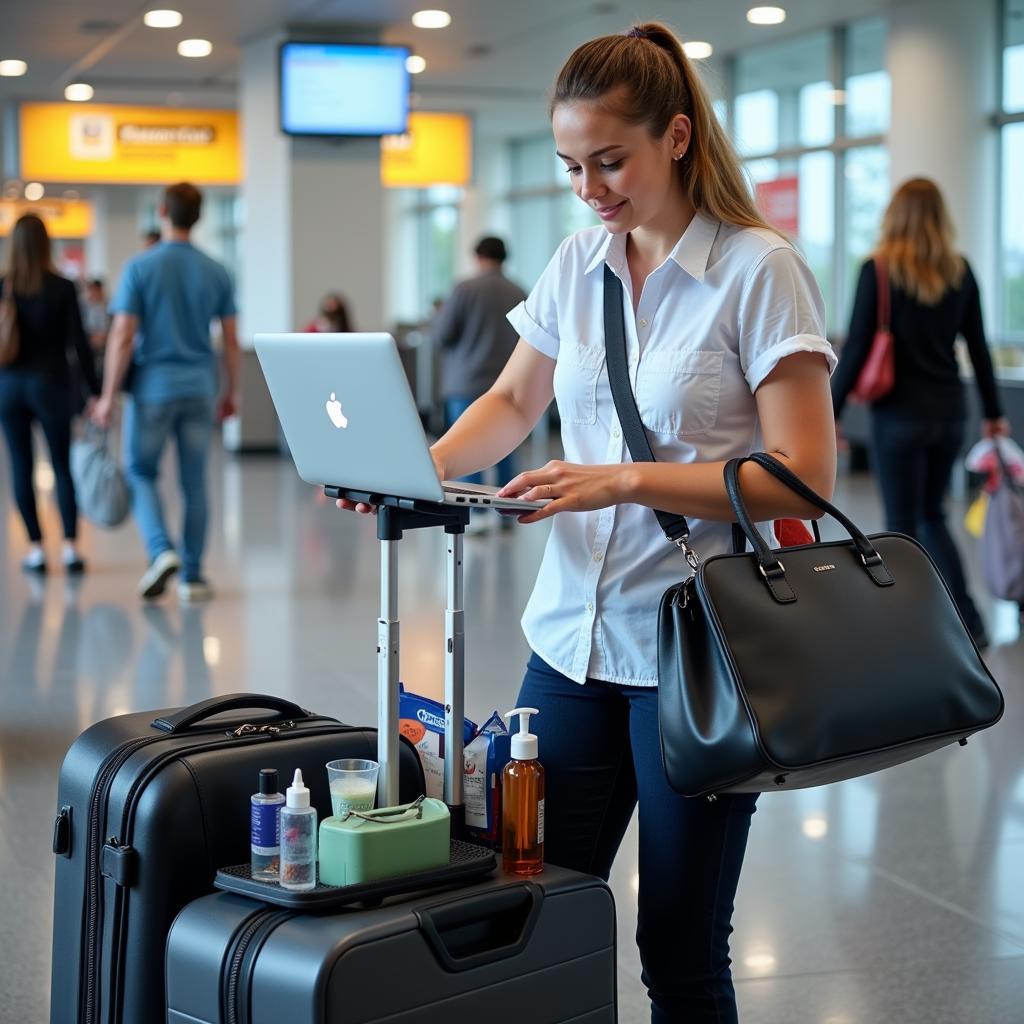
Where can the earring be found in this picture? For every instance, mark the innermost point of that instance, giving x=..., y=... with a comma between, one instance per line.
x=677, y=156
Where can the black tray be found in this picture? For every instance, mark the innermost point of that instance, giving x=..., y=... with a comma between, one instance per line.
x=466, y=861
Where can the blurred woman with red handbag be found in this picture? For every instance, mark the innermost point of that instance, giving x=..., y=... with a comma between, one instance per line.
x=917, y=289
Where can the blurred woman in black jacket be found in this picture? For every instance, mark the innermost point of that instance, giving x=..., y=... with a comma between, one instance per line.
x=918, y=428
x=38, y=386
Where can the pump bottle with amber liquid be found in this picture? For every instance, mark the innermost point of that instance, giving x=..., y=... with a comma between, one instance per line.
x=522, y=793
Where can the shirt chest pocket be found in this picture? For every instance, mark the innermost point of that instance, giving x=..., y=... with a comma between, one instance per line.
x=678, y=392
x=576, y=374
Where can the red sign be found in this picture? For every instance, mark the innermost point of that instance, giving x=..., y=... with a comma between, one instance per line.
x=779, y=201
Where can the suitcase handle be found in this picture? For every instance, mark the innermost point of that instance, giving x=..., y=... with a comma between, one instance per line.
x=470, y=932
x=187, y=717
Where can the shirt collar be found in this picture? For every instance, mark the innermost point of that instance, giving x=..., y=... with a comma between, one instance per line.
x=691, y=252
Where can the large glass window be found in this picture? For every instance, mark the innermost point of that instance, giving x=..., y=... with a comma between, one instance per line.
x=866, y=85
x=815, y=150
x=866, y=182
x=785, y=95
x=1013, y=56
x=1012, y=260
x=798, y=195
x=544, y=209
x=430, y=225
x=1011, y=224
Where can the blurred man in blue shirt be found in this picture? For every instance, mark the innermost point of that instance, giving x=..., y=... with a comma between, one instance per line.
x=159, y=351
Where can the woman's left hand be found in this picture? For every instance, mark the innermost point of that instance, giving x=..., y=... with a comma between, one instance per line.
x=569, y=488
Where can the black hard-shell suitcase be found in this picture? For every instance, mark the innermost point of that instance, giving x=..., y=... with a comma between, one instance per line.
x=149, y=806
x=503, y=951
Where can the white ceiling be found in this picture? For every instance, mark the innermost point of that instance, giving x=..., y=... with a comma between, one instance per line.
x=497, y=59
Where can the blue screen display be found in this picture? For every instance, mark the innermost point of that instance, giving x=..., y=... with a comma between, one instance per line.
x=334, y=89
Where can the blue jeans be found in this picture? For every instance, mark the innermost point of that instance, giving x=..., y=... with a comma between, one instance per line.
x=914, y=462
x=601, y=753
x=27, y=397
x=453, y=409
x=147, y=428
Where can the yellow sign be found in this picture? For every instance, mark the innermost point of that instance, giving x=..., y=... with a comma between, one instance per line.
x=111, y=145
x=63, y=218
x=436, y=150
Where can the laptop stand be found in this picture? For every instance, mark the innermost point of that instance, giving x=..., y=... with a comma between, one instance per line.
x=394, y=517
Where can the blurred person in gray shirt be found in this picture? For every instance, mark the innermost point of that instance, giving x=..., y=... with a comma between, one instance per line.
x=476, y=339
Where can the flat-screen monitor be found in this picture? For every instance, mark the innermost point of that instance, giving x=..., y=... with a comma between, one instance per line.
x=344, y=89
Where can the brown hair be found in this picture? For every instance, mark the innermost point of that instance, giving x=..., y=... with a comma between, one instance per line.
x=658, y=81
x=29, y=258
x=917, y=242
x=183, y=203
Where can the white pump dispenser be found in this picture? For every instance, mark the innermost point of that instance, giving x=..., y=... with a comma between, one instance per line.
x=524, y=742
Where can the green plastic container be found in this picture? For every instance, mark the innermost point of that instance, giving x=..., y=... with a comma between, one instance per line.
x=384, y=843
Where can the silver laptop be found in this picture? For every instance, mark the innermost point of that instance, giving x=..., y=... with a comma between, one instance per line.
x=350, y=419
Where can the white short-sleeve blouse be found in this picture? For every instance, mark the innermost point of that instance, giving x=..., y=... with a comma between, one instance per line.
x=712, y=322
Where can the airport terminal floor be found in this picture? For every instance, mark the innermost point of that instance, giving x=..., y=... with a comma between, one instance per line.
x=894, y=899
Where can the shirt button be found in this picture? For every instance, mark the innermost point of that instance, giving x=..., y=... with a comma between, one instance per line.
x=643, y=323
x=615, y=433
x=590, y=606
x=598, y=556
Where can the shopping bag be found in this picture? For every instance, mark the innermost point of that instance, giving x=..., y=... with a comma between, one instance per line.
x=100, y=485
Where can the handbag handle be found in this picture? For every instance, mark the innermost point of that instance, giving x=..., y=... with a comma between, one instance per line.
x=768, y=561
x=675, y=526
x=883, y=312
x=1006, y=477
x=189, y=716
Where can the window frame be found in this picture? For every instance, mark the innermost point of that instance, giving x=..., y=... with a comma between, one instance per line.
x=1001, y=119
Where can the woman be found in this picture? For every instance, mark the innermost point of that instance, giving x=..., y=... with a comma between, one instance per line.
x=38, y=385
x=918, y=428
x=332, y=316
x=725, y=331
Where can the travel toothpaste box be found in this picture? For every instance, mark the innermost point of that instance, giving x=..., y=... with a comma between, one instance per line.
x=485, y=759
x=421, y=720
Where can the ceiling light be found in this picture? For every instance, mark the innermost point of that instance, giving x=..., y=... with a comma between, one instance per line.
x=34, y=191
x=195, y=47
x=766, y=15
x=815, y=827
x=415, y=64
x=431, y=19
x=761, y=962
x=12, y=68
x=78, y=92
x=696, y=50
x=162, y=19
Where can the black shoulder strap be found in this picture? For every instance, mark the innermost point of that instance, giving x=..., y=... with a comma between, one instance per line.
x=675, y=526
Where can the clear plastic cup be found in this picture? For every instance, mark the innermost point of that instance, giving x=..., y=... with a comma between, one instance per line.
x=353, y=785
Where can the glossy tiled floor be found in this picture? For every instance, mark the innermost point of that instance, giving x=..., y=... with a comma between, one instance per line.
x=893, y=900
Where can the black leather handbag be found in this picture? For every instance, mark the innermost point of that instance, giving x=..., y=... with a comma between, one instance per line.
x=835, y=660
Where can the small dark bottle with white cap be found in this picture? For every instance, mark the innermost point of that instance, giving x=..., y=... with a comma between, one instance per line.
x=265, y=827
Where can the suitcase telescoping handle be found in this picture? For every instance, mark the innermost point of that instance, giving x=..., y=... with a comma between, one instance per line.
x=392, y=522
x=196, y=713
x=472, y=931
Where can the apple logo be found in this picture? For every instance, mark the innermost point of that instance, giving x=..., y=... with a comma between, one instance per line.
x=338, y=418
